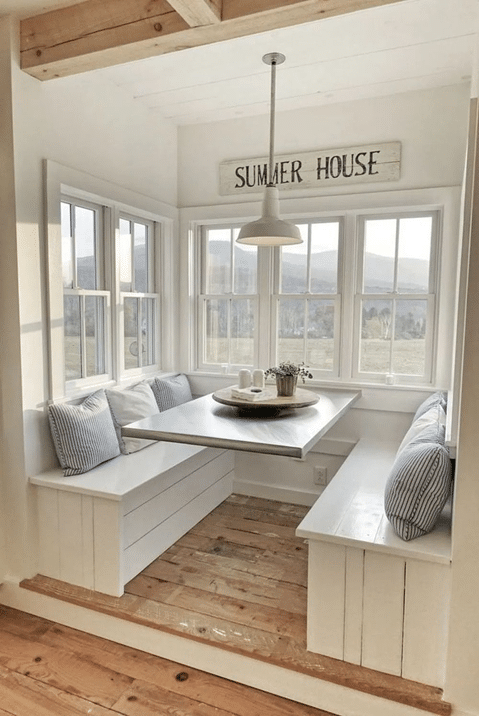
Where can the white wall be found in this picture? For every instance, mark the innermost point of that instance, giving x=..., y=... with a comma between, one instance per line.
x=93, y=127
x=431, y=125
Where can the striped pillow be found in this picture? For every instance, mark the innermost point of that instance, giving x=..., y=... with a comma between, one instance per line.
x=418, y=487
x=84, y=435
x=171, y=391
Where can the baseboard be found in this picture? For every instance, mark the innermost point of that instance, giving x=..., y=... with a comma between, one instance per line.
x=271, y=492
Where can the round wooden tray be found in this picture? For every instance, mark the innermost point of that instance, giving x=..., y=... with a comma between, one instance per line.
x=301, y=399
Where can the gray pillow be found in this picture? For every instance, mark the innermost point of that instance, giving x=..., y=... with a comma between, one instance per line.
x=438, y=398
x=171, y=391
x=84, y=435
x=418, y=487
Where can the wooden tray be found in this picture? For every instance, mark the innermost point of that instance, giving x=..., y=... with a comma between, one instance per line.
x=301, y=399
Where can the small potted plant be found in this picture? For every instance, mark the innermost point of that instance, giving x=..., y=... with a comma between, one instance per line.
x=286, y=375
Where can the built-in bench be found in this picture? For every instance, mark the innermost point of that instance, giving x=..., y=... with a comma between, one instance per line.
x=374, y=599
x=101, y=528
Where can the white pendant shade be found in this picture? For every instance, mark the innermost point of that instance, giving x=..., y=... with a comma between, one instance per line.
x=270, y=230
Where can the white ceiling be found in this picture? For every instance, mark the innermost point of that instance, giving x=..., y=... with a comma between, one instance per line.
x=410, y=45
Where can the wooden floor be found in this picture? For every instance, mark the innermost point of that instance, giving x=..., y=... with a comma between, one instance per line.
x=51, y=670
x=238, y=580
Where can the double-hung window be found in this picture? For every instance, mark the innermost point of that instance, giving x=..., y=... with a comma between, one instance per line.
x=395, y=300
x=110, y=294
x=138, y=297
x=356, y=300
x=228, y=300
x=307, y=304
x=86, y=302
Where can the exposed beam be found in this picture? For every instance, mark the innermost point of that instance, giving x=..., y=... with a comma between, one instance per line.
x=102, y=33
x=198, y=12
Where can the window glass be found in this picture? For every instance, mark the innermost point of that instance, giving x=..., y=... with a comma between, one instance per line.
x=320, y=335
x=217, y=319
x=126, y=258
x=95, y=335
x=67, y=245
x=376, y=323
x=379, y=255
x=294, y=265
x=414, y=251
x=324, y=257
x=291, y=329
x=85, y=247
x=409, y=351
x=72, y=331
x=242, y=332
x=140, y=257
x=133, y=348
x=218, y=261
x=245, y=267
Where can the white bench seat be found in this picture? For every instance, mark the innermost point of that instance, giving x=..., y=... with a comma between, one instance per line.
x=374, y=599
x=100, y=529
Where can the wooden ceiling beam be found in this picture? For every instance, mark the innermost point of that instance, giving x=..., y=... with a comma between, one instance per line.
x=198, y=12
x=101, y=33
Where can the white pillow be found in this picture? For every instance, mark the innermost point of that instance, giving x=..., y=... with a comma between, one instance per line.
x=128, y=405
x=433, y=416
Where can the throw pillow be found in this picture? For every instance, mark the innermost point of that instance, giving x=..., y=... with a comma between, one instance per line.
x=84, y=435
x=417, y=488
x=171, y=391
x=434, y=418
x=127, y=406
x=438, y=398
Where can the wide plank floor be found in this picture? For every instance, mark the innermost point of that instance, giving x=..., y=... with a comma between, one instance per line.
x=238, y=580
x=51, y=670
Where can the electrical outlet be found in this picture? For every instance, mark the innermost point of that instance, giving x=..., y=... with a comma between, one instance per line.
x=320, y=475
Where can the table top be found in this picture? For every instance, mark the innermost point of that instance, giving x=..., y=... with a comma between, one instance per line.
x=206, y=422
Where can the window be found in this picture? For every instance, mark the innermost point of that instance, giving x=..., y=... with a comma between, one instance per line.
x=108, y=262
x=395, y=295
x=85, y=300
x=137, y=292
x=307, y=303
x=228, y=300
x=355, y=301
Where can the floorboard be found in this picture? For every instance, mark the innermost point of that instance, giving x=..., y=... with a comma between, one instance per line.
x=238, y=581
x=47, y=669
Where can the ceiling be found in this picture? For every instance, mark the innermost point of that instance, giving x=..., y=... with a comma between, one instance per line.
x=411, y=45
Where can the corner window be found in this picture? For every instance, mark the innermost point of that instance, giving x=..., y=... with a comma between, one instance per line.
x=396, y=296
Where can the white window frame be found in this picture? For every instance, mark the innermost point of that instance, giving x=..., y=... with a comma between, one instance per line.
x=336, y=298
x=230, y=296
x=62, y=182
x=446, y=200
x=430, y=297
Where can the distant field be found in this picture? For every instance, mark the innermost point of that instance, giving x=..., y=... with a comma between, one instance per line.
x=408, y=354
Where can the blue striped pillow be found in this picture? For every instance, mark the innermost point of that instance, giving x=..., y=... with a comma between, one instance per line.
x=171, y=391
x=418, y=487
x=84, y=435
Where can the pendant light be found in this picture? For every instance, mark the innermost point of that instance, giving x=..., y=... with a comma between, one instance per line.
x=270, y=230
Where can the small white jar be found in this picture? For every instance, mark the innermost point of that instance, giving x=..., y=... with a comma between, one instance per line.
x=244, y=378
x=258, y=378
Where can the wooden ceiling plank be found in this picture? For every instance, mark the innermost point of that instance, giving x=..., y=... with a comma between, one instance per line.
x=115, y=43
x=198, y=12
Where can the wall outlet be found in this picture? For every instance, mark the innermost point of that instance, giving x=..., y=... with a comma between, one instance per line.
x=320, y=475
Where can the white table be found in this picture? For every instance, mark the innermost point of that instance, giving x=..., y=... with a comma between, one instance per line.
x=205, y=422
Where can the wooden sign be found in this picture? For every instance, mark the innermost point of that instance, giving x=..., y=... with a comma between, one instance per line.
x=321, y=169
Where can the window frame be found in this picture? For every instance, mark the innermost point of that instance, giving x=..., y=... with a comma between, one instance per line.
x=430, y=297
x=445, y=200
x=63, y=182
